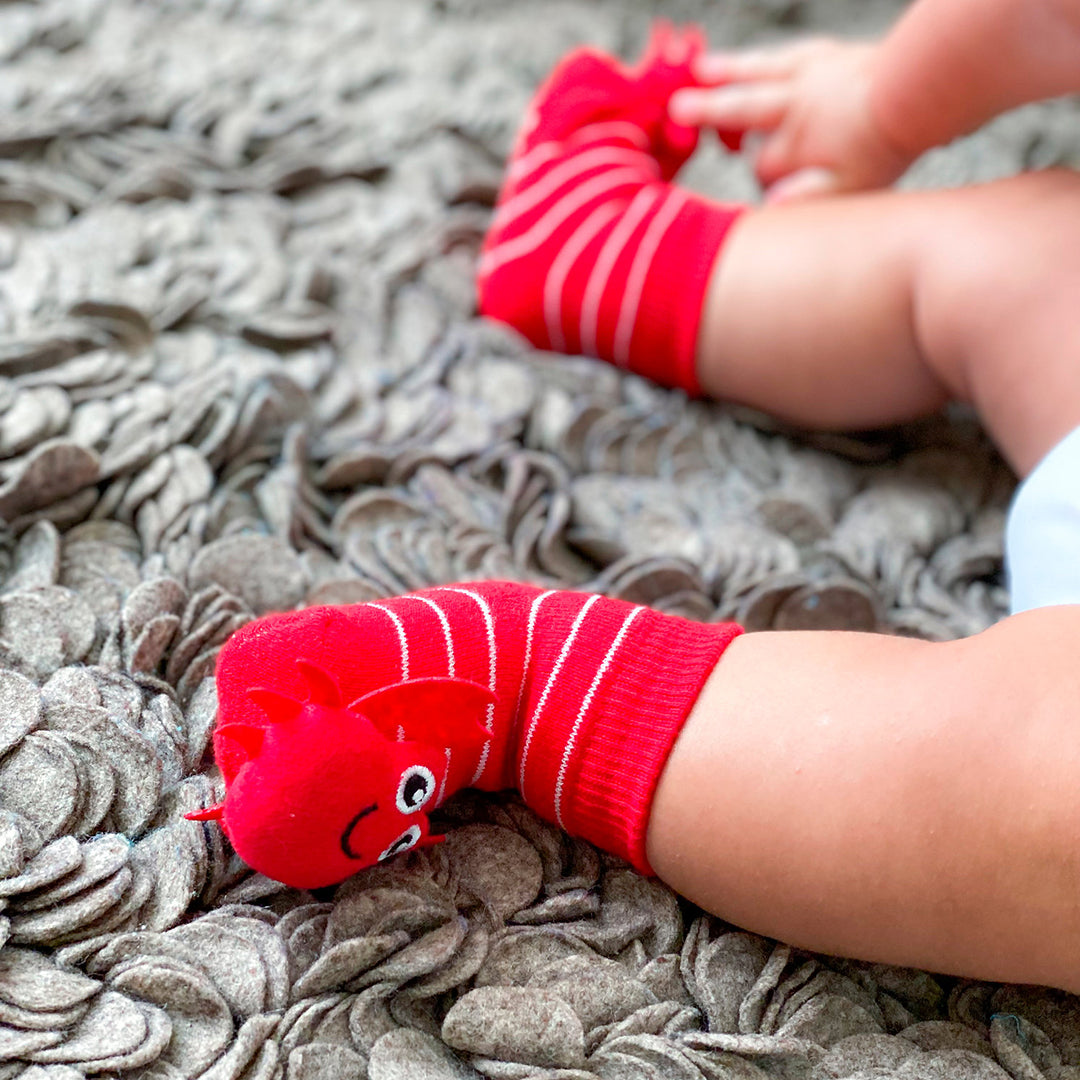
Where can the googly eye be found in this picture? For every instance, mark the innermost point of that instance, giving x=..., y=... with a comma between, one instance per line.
x=408, y=839
x=415, y=788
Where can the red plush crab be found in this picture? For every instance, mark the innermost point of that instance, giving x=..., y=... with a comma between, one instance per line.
x=349, y=783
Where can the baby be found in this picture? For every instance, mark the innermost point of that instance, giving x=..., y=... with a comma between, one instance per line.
x=896, y=800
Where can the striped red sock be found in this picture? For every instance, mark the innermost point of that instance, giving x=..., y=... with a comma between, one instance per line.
x=574, y=699
x=592, y=250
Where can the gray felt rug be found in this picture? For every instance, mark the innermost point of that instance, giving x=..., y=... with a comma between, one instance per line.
x=240, y=371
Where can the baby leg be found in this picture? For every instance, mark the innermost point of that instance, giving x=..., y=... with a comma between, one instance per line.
x=896, y=800
x=844, y=313
x=872, y=309
x=890, y=799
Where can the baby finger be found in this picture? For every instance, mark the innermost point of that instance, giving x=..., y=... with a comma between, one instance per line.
x=733, y=108
x=753, y=65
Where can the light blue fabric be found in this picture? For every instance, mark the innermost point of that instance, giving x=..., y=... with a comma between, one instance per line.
x=1042, y=534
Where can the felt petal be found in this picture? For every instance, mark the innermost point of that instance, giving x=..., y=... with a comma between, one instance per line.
x=322, y=686
x=440, y=711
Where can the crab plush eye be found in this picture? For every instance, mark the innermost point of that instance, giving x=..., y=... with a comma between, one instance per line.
x=415, y=788
x=408, y=839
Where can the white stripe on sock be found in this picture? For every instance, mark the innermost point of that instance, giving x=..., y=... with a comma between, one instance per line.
x=566, y=171
x=605, y=184
x=539, y=155
x=533, y=609
x=613, y=247
x=489, y=624
x=585, y=703
x=445, y=775
x=402, y=639
x=543, y=152
x=564, y=652
x=563, y=263
x=635, y=283
x=445, y=628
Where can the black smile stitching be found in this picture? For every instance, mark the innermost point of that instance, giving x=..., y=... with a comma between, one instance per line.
x=346, y=845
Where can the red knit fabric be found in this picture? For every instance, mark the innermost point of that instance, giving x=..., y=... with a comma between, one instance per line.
x=574, y=699
x=592, y=250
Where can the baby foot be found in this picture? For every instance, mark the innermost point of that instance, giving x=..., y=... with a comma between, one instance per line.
x=333, y=761
x=591, y=249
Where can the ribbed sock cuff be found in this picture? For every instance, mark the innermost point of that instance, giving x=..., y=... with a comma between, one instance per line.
x=664, y=347
x=646, y=698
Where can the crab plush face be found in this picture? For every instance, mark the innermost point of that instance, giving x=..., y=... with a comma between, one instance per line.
x=327, y=790
x=395, y=820
x=315, y=820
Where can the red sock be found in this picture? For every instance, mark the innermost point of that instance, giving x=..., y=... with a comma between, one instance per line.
x=592, y=250
x=574, y=699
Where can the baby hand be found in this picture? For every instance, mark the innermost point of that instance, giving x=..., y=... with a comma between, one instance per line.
x=809, y=104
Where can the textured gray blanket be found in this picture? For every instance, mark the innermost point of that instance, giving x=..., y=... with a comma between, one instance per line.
x=239, y=372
